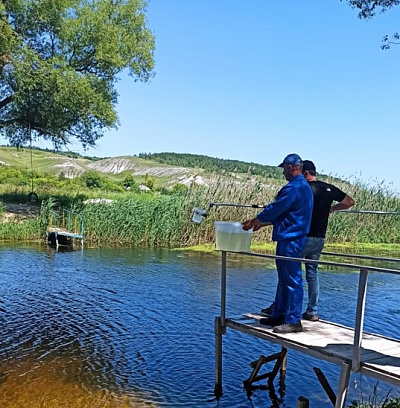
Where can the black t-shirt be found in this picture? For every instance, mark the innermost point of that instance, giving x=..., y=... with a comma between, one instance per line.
x=324, y=195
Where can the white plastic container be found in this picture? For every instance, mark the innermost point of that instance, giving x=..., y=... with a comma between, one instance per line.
x=229, y=236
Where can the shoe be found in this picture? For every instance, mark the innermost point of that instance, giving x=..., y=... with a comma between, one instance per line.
x=310, y=317
x=288, y=328
x=268, y=310
x=271, y=321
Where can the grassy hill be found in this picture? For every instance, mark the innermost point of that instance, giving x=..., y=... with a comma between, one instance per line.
x=167, y=168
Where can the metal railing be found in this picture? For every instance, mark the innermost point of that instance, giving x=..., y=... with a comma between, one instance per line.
x=67, y=220
x=361, y=296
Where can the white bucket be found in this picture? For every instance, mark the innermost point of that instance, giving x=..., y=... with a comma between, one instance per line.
x=230, y=236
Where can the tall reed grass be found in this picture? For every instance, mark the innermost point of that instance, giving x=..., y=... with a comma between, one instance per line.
x=166, y=220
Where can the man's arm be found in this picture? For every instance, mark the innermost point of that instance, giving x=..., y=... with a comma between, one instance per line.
x=346, y=203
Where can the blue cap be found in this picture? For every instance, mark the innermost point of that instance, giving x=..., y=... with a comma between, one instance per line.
x=292, y=159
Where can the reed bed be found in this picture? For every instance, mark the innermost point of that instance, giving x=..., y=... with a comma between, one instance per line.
x=342, y=228
x=139, y=220
x=166, y=220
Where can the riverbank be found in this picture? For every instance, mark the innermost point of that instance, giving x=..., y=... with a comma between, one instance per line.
x=359, y=248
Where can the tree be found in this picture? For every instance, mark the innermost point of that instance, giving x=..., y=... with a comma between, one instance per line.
x=129, y=181
x=149, y=181
x=93, y=179
x=368, y=9
x=59, y=64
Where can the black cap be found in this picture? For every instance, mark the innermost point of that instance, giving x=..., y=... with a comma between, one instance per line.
x=308, y=165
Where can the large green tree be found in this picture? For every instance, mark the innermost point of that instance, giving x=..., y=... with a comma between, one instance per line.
x=59, y=64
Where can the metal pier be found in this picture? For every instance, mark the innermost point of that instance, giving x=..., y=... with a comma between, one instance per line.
x=349, y=347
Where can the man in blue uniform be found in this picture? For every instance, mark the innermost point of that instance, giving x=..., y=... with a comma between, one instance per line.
x=290, y=216
x=324, y=195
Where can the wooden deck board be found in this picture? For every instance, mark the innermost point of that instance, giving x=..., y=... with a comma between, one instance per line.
x=380, y=356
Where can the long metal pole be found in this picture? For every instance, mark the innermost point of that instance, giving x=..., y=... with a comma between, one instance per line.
x=235, y=205
x=369, y=212
x=339, y=211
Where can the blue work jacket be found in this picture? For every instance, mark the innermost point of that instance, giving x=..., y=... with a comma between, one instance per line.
x=290, y=214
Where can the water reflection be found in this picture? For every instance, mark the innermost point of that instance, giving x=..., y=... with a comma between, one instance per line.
x=134, y=327
x=277, y=400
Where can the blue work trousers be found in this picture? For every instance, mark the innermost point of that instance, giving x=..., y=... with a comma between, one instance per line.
x=289, y=292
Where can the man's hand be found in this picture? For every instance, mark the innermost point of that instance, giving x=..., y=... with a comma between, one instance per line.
x=254, y=223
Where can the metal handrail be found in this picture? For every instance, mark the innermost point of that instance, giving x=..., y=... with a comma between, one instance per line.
x=372, y=258
x=66, y=223
x=361, y=296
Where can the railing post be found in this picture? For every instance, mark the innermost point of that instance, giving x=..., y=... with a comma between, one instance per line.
x=220, y=330
x=358, y=330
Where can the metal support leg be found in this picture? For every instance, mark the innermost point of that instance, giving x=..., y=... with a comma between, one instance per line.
x=280, y=362
x=343, y=385
x=303, y=402
x=362, y=292
x=219, y=330
x=284, y=361
x=325, y=385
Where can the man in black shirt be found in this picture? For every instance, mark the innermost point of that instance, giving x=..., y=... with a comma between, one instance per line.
x=324, y=195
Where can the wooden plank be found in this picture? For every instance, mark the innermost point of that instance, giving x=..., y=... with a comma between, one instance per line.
x=267, y=334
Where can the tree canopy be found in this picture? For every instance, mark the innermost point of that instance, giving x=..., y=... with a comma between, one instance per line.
x=368, y=8
x=59, y=64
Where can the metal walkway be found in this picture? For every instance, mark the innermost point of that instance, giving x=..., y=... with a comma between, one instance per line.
x=351, y=348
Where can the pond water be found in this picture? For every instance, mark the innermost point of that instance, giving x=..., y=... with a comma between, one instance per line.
x=135, y=328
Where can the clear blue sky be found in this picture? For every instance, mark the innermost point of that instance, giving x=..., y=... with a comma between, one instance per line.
x=254, y=80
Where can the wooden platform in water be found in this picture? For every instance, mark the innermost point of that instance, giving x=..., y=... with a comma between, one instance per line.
x=62, y=236
x=64, y=232
x=380, y=356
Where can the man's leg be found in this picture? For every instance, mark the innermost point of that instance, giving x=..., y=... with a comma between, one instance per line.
x=290, y=299
x=313, y=251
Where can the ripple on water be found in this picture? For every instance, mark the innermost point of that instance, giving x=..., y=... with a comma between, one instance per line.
x=135, y=328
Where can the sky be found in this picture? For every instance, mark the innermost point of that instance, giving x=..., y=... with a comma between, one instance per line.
x=255, y=80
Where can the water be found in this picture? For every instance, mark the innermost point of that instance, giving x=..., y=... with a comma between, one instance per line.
x=135, y=328
x=227, y=241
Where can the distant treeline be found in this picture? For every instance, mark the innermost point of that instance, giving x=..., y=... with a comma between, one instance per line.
x=212, y=164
